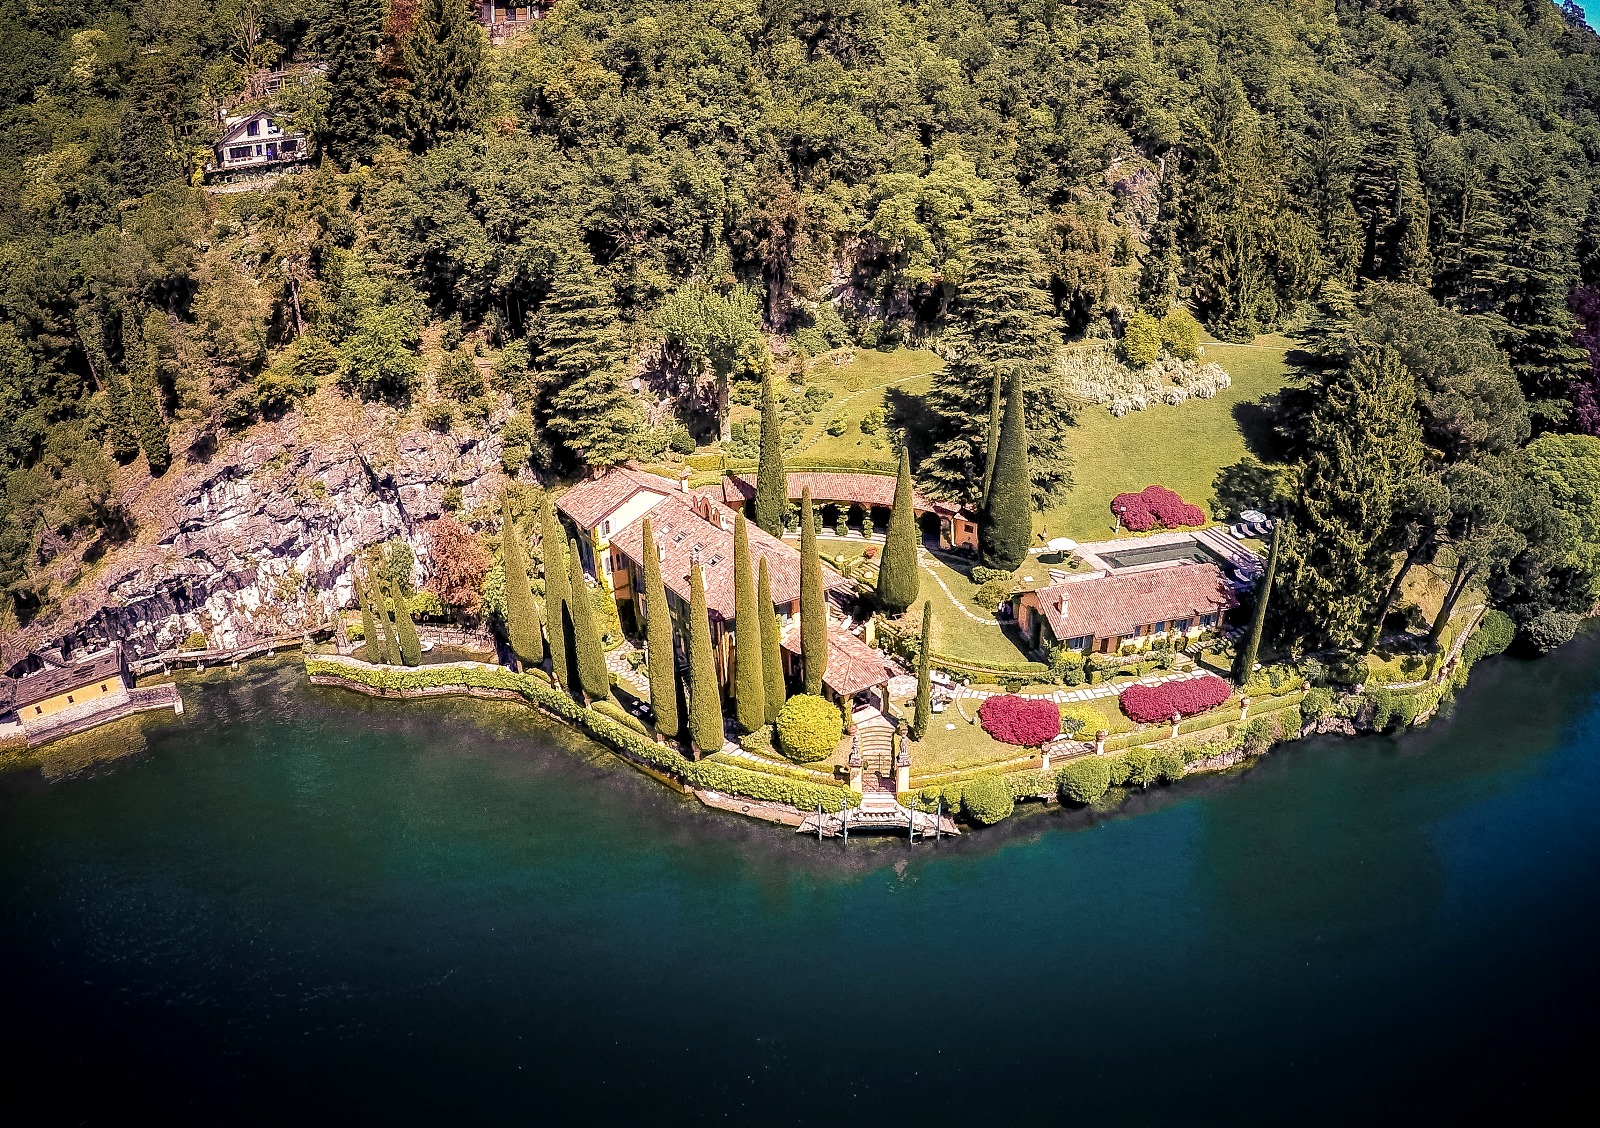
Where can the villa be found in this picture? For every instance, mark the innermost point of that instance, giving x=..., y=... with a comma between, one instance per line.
x=256, y=142
x=607, y=513
x=873, y=495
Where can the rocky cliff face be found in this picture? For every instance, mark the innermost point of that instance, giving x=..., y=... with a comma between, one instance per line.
x=259, y=538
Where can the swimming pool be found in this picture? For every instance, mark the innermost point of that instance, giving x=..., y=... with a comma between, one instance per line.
x=1162, y=554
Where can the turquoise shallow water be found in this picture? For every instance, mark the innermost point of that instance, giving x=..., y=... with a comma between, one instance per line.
x=299, y=904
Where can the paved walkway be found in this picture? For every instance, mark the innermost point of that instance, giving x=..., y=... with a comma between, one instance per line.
x=1092, y=692
x=634, y=681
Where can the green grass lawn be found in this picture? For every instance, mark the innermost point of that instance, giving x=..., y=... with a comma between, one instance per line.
x=1179, y=447
x=859, y=387
x=955, y=634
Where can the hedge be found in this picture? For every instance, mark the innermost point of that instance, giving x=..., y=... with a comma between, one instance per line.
x=725, y=778
x=1150, y=704
x=1084, y=780
x=609, y=708
x=987, y=800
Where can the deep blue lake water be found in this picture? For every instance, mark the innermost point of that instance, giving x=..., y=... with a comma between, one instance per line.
x=299, y=905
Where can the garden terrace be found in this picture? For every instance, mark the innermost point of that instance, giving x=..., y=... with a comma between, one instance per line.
x=872, y=492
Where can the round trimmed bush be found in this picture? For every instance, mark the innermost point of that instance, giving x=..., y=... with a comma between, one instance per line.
x=1495, y=633
x=809, y=728
x=1085, y=780
x=1024, y=721
x=987, y=800
x=195, y=641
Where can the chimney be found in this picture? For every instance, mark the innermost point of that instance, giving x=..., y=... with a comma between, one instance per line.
x=661, y=552
x=683, y=479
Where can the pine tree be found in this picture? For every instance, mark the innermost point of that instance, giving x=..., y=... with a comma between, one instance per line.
x=898, y=581
x=391, y=644
x=1386, y=191
x=1247, y=655
x=371, y=644
x=1363, y=443
x=120, y=433
x=593, y=679
x=348, y=35
x=924, y=709
x=1006, y=527
x=1001, y=321
x=144, y=397
x=813, y=605
x=771, y=646
x=522, y=614
x=749, y=687
x=705, y=697
x=583, y=363
x=444, y=55
x=555, y=589
x=658, y=640
x=406, y=631
x=772, y=483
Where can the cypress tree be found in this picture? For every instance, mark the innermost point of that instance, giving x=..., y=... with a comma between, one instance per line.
x=444, y=55
x=898, y=582
x=348, y=36
x=121, y=436
x=371, y=645
x=924, y=710
x=144, y=398
x=391, y=647
x=771, y=646
x=593, y=680
x=1258, y=621
x=991, y=434
x=658, y=640
x=705, y=698
x=750, y=687
x=406, y=631
x=522, y=614
x=555, y=589
x=772, y=483
x=584, y=361
x=813, y=611
x=1007, y=520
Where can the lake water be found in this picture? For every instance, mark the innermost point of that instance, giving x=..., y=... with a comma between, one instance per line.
x=296, y=904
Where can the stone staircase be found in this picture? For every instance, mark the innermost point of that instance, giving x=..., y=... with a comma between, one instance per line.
x=876, y=741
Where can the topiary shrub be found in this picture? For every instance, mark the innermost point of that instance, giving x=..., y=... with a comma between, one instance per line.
x=1494, y=634
x=992, y=594
x=1024, y=721
x=1151, y=704
x=987, y=800
x=1082, y=721
x=1085, y=781
x=758, y=741
x=982, y=575
x=809, y=728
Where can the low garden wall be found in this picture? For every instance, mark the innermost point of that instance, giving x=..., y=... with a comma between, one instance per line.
x=474, y=679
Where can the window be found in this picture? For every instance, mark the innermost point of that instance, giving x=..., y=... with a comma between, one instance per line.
x=1208, y=620
x=1078, y=643
x=37, y=710
x=253, y=129
x=70, y=699
x=103, y=688
x=290, y=145
x=239, y=153
x=605, y=527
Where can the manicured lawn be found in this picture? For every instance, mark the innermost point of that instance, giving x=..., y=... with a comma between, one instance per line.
x=955, y=634
x=858, y=387
x=1179, y=447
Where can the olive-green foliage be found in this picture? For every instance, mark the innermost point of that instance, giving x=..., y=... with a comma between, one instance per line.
x=606, y=707
x=750, y=685
x=444, y=57
x=772, y=483
x=1246, y=662
x=1085, y=779
x=593, y=416
x=535, y=689
x=382, y=604
x=1316, y=704
x=522, y=614
x=771, y=646
x=658, y=639
x=986, y=800
x=813, y=605
x=1082, y=721
x=1142, y=767
x=1005, y=527
x=195, y=641
x=923, y=712
x=809, y=728
x=372, y=645
x=1141, y=341
x=593, y=678
x=898, y=579
x=1494, y=634
x=406, y=633
x=556, y=588
x=705, y=696
x=1180, y=333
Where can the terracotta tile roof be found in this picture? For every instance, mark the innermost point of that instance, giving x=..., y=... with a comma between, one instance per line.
x=863, y=489
x=1121, y=602
x=684, y=523
x=594, y=499
x=853, y=666
x=64, y=679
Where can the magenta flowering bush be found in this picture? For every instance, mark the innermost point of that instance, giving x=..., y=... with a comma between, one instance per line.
x=1150, y=704
x=1156, y=507
x=1028, y=721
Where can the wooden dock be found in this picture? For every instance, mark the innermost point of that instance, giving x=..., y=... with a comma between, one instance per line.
x=879, y=818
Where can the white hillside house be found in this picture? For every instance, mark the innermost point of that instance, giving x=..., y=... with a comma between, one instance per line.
x=255, y=141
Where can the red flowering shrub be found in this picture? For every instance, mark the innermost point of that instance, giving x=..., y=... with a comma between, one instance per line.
x=1028, y=721
x=1150, y=704
x=1156, y=506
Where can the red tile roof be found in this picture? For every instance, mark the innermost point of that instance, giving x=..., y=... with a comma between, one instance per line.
x=1120, y=603
x=853, y=666
x=863, y=489
x=594, y=499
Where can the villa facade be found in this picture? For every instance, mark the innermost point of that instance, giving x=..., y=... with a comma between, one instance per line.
x=867, y=494
x=1100, y=612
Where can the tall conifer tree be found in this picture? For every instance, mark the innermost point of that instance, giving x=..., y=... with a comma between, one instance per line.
x=522, y=614
x=658, y=638
x=555, y=588
x=771, y=646
x=1258, y=621
x=1006, y=527
x=772, y=483
x=593, y=679
x=348, y=35
x=144, y=397
x=583, y=365
x=924, y=709
x=813, y=608
x=405, y=630
x=898, y=582
x=391, y=643
x=705, y=697
x=371, y=644
x=749, y=687
x=444, y=55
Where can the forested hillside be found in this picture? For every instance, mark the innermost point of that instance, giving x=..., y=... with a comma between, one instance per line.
x=499, y=241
